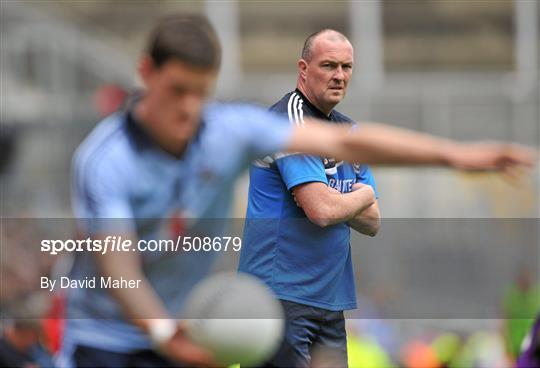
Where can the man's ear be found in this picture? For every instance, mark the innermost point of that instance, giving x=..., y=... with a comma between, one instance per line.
x=146, y=69
x=302, y=68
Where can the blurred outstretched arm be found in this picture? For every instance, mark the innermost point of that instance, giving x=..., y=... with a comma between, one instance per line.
x=381, y=144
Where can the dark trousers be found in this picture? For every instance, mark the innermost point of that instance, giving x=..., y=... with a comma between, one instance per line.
x=90, y=357
x=313, y=337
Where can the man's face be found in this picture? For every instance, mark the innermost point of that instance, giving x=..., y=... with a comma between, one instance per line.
x=328, y=72
x=175, y=95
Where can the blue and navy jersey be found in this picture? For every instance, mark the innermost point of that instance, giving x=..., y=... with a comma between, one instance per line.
x=124, y=183
x=299, y=260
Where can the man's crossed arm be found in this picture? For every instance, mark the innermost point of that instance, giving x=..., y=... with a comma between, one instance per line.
x=326, y=206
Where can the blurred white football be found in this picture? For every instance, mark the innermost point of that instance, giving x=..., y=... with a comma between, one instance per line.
x=236, y=317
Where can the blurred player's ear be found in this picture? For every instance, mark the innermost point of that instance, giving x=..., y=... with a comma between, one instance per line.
x=302, y=68
x=146, y=68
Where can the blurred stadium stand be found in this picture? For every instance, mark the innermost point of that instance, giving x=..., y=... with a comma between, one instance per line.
x=459, y=70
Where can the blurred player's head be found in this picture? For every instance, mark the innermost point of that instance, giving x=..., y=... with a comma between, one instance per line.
x=325, y=68
x=179, y=70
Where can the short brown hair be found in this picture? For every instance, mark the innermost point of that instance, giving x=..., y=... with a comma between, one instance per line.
x=307, y=50
x=187, y=38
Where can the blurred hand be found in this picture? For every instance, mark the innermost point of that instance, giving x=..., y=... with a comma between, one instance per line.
x=180, y=349
x=492, y=156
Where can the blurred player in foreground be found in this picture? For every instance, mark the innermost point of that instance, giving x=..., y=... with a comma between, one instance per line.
x=169, y=152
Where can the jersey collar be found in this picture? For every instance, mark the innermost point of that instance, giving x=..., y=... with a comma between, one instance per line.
x=318, y=113
x=141, y=138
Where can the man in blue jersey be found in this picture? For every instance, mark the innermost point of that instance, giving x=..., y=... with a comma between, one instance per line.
x=170, y=152
x=301, y=208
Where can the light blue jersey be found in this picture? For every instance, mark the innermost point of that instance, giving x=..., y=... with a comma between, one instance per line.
x=123, y=182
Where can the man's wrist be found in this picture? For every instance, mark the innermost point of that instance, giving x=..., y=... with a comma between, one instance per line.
x=160, y=331
x=448, y=152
